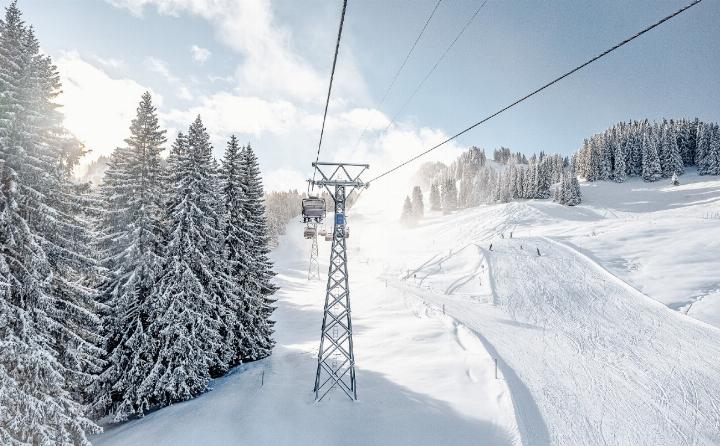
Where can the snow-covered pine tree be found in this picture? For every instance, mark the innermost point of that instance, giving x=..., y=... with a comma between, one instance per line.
x=52, y=322
x=675, y=181
x=573, y=196
x=650, y=162
x=704, y=135
x=237, y=241
x=596, y=165
x=690, y=139
x=190, y=315
x=506, y=186
x=544, y=177
x=564, y=190
x=465, y=192
x=258, y=283
x=712, y=159
x=604, y=146
x=636, y=148
x=619, y=168
x=680, y=128
x=559, y=190
x=418, y=208
x=449, y=196
x=435, y=200
x=670, y=159
x=130, y=247
x=54, y=207
x=36, y=405
x=407, y=217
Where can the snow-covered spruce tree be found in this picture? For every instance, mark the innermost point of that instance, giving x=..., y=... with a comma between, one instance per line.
x=650, y=162
x=58, y=218
x=568, y=191
x=36, y=406
x=674, y=180
x=704, y=135
x=619, y=167
x=670, y=159
x=258, y=283
x=465, y=190
x=559, y=192
x=236, y=246
x=573, y=196
x=49, y=326
x=448, y=196
x=130, y=247
x=418, y=208
x=635, y=141
x=435, y=202
x=191, y=311
x=712, y=158
x=407, y=217
x=544, y=178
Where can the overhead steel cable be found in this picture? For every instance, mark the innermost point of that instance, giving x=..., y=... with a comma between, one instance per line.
x=332, y=76
x=399, y=70
x=534, y=92
x=434, y=67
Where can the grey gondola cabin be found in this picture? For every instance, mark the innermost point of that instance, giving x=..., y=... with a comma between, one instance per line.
x=313, y=209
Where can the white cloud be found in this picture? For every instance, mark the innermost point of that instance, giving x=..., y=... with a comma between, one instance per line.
x=97, y=108
x=225, y=113
x=270, y=66
x=283, y=179
x=199, y=54
x=160, y=67
x=281, y=99
x=110, y=62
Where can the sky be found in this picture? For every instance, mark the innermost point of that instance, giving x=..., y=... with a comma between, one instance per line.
x=260, y=69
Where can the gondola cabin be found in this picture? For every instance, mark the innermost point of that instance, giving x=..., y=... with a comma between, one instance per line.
x=309, y=232
x=313, y=209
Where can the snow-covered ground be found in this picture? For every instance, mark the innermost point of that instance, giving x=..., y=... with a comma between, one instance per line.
x=423, y=379
x=607, y=337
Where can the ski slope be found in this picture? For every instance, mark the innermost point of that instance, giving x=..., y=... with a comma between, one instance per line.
x=422, y=378
x=606, y=337
x=588, y=358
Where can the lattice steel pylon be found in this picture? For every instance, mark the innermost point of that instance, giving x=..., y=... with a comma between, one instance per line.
x=314, y=269
x=336, y=357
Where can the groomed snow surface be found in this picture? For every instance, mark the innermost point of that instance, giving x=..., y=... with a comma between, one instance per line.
x=609, y=336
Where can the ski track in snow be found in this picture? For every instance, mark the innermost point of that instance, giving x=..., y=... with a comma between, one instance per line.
x=604, y=363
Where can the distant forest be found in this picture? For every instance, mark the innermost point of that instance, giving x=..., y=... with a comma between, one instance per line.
x=650, y=150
